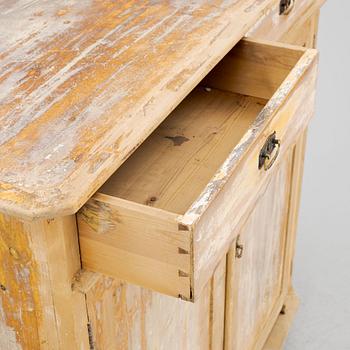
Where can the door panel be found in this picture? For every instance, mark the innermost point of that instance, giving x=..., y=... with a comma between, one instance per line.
x=255, y=280
x=125, y=316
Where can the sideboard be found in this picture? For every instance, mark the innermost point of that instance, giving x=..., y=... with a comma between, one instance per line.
x=150, y=172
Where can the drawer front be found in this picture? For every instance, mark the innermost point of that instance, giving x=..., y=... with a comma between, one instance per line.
x=176, y=253
x=135, y=243
x=276, y=27
x=255, y=264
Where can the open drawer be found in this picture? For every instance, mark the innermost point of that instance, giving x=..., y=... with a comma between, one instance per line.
x=171, y=211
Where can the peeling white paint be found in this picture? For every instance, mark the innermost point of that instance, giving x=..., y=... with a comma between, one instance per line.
x=8, y=339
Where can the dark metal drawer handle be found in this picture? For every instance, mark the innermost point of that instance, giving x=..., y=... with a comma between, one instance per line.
x=269, y=152
x=286, y=6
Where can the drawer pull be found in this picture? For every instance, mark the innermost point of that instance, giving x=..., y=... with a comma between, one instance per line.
x=269, y=152
x=286, y=6
x=239, y=249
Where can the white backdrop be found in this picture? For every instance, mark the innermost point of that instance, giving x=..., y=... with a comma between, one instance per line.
x=322, y=267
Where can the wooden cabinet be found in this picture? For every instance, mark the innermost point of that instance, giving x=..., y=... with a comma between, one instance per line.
x=150, y=178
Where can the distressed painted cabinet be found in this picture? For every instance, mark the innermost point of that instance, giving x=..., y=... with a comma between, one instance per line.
x=150, y=172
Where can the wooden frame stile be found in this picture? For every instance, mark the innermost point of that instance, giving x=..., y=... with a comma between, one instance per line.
x=306, y=36
x=38, y=260
x=296, y=184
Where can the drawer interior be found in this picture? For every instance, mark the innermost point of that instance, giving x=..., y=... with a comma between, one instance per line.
x=173, y=166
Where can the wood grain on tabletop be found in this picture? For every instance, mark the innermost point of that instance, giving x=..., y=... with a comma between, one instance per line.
x=82, y=84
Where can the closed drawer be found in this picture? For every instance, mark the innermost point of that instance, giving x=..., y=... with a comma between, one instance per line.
x=278, y=26
x=170, y=212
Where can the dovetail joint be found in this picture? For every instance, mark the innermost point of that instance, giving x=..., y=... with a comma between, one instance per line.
x=191, y=299
x=183, y=227
x=183, y=274
x=183, y=251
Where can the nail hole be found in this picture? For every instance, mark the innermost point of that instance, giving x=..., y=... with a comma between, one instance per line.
x=151, y=200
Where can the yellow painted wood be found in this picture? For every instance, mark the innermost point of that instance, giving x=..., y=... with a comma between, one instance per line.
x=20, y=280
x=39, y=310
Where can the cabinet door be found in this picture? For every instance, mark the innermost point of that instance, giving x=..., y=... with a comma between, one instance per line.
x=256, y=280
x=128, y=317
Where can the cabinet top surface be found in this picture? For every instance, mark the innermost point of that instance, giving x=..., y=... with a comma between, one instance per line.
x=82, y=84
